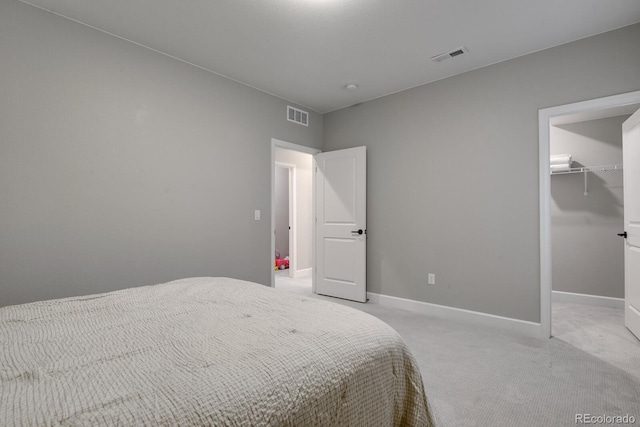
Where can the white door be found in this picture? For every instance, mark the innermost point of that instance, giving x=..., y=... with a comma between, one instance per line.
x=341, y=224
x=631, y=173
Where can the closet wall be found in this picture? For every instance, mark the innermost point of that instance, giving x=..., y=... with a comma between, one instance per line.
x=588, y=256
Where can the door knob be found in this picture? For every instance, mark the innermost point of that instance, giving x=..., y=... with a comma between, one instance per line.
x=623, y=234
x=357, y=231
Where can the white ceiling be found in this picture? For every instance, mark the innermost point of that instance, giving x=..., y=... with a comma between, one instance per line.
x=305, y=51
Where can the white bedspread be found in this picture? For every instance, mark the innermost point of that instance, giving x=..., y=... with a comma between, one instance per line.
x=204, y=351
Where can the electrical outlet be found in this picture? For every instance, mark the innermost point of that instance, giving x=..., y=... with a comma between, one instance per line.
x=431, y=279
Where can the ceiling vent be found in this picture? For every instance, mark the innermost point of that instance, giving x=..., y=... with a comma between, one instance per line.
x=444, y=56
x=297, y=116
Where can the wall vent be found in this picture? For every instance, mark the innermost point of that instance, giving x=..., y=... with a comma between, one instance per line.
x=297, y=116
x=444, y=56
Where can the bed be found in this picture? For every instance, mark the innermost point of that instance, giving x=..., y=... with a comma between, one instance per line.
x=204, y=351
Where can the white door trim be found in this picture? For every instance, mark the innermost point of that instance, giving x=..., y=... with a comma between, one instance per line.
x=295, y=147
x=545, y=116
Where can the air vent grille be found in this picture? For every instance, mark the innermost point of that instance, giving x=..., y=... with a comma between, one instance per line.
x=444, y=56
x=297, y=116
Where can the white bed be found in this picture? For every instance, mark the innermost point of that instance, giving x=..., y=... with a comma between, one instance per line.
x=204, y=351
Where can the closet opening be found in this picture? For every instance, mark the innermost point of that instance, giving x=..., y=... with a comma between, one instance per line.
x=587, y=212
x=581, y=215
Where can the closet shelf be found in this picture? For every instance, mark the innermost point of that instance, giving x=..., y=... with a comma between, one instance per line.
x=588, y=169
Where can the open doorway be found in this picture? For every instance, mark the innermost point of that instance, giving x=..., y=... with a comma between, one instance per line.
x=587, y=213
x=292, y=213
x=583, y=201
x=285, y=217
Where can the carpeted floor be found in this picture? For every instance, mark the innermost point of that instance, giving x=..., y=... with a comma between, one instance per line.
x=478, y=376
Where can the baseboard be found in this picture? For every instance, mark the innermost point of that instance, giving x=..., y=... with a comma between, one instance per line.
x=305, y=272
x=599, y=301
x=523, y=327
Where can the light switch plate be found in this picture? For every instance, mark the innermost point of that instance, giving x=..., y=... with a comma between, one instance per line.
x=256, y=215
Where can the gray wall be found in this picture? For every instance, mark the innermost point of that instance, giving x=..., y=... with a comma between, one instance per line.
x=120, y=166
x=453, y=173
x=282, y=210
x=588, y=256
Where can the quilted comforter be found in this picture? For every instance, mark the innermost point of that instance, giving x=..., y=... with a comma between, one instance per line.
x=204, y=351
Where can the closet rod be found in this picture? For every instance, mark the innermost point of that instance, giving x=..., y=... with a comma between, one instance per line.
x=586, y=169
x=589, y=169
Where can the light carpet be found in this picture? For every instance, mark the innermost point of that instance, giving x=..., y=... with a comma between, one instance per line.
x=479, y=376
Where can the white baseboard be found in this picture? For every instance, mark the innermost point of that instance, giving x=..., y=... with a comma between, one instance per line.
x=599, y=301
x=305, y=272
x=523, y=327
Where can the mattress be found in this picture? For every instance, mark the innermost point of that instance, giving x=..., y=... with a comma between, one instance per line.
x=204, y=351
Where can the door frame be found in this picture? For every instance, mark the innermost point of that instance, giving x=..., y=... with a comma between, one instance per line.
x=545, y=117
x=303, y=149
x=292, y=201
